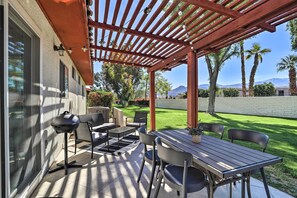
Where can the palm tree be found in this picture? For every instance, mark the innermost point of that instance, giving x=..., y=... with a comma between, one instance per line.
x=257, y=52
x=289, y=63
x=243, y=80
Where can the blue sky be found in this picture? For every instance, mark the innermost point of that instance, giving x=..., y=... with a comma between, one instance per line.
x=278, y=42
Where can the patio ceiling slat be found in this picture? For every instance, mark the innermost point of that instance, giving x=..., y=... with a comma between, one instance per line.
x=225, y=11
x=114, y=19
x=164, y=16
x=96, y=19
x=137, y=9
x=263, y=12
x=104, y=21
x=161, y=34
x=144, y=16
x=125, y=52
x=153, y=17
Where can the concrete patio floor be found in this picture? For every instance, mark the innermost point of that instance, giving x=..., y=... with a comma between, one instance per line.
x=115, y=176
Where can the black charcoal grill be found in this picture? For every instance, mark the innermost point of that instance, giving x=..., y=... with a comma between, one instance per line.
x=65, y=123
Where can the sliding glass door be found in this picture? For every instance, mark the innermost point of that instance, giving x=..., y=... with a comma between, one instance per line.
x=23, y=94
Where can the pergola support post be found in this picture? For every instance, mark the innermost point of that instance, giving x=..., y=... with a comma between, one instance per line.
x=192, y=90
x=152, y=101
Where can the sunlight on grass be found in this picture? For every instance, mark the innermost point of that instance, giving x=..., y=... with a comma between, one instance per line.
x=282, y=133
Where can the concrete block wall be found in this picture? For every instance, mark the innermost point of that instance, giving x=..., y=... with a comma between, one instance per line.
x=278, y=106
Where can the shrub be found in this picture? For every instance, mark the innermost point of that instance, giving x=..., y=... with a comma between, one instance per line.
x=203, y=93
x=231, y=92
x=100, y=98
x=266, y=89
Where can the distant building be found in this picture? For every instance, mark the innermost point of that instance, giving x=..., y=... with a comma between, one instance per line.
x=282, y=91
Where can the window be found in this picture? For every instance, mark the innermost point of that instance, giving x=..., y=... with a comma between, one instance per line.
x=23, y=112
x=78, y=77
x=281, y=92
x=83, y=91
x=73, y=73
x=64, y=81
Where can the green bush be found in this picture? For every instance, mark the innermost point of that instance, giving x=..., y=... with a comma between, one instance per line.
x=203, y=93
x=266, y=89
x=230, y=92
x=100, y=98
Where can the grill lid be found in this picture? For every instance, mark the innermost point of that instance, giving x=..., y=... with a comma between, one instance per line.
x=65, y=123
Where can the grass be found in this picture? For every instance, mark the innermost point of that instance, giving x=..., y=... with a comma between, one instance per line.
x=282, y=133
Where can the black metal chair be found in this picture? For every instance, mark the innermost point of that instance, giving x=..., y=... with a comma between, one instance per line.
x=139, y=119
x=149, y=156
x=212, y=127
x=177, y=171
x=84, y=134
x=255, y=137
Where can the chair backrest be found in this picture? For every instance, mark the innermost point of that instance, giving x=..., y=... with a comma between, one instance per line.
x=140, y=116
x=173, y=157
x=83, y=132
x=97, y=119
x=147, y=139
x=212, y=127
x=249, y=136
x=86, y=118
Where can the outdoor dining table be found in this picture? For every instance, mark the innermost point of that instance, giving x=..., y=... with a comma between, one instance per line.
x=220, y=159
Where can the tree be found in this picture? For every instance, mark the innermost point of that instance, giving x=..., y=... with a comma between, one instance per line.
x=203, y=93
x=266, y=89
x=257, y=53
x=242, y=59
x=292, y=27
x=162, y=85
x=215, y=62
x=231, y=92
x=289, y=63
x=122, y=80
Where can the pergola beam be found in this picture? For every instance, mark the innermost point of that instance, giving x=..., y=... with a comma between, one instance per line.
x=254, y=17
x=135, y=32
x=125, y=52
x=226, y=11
x=120, y=62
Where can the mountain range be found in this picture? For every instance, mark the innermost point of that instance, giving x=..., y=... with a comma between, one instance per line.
x=278, y=82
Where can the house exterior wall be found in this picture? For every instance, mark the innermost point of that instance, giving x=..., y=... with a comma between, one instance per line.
x=51, y=104
x=285, y=106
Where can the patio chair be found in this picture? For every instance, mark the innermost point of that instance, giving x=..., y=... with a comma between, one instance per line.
x=149, y=156
x=139, y=120
x=177, y=171
x=211, y=127
x=99, y=124
x=84, y=134
x=254, y=137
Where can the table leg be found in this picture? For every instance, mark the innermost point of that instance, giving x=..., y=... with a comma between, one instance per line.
x=265, y=182
x=212, y=184
x=243, y=186
x=118, y=141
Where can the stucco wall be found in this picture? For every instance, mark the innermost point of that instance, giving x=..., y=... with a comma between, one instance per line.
x=282, y=106
x=51, y=104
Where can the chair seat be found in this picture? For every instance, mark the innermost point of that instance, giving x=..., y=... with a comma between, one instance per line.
x=149, y=156
x=135, y=124
x=97, y=135
x=196, y=180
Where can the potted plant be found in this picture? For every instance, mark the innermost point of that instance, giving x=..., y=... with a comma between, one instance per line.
x=196, y=133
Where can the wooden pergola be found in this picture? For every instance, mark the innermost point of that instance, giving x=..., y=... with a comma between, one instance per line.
x=160, y=35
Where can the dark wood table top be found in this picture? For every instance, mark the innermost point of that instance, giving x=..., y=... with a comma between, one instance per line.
x=220, y=157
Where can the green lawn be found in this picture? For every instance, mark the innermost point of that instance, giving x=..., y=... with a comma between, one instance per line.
x=282, y=133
